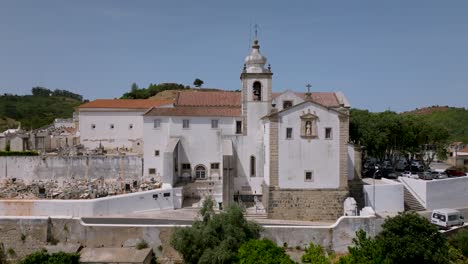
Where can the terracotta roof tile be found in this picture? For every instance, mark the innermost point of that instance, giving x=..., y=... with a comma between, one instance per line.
x=125, y=103
x=222, y=98
x=195, y=111
x=465, y=149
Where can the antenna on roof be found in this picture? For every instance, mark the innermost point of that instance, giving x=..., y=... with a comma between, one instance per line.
x=250, y=36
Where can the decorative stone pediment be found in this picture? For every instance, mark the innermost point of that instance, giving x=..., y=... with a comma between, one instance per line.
x=309, y=125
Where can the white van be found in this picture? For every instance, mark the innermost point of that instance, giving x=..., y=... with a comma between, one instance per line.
x=446, y=218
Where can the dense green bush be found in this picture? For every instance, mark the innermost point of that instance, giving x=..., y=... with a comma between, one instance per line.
x=315, y=254
x=18, y=153
x=406, y=238
x=42, y=257
x=460, y=242
x=262, y=252
x=215, y=238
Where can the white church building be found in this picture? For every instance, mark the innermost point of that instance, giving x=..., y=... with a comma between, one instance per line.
x=288, y=150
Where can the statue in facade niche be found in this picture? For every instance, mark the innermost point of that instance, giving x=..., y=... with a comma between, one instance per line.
x=308, y=128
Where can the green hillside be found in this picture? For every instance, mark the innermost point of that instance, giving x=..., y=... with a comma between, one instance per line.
x=34, y=111
x=455, y=120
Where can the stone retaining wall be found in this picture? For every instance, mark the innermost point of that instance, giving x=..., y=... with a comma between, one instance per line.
x=301, y=204
x=65, y=168
x=27, y=235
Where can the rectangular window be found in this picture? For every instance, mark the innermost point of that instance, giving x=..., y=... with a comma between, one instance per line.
x=186, y=166
x=152, y=171
x=167, y=195
x=214, y=123
x=215, y=166
x=156, y=153
x=309, y=176
x=328, y=133
x=238, y=127
x=157, y=123
x=287, y=104
x=186, y=123
x=111, y=126
x=93, y=126
x=130, y=126
x=289, y=133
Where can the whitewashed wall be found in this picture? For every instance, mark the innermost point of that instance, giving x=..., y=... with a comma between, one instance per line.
x=287, y=96
x=389, y=197
x=199, y=144
x=120, y=204
x=120, y=136
x=443, y=193
x=319, y=155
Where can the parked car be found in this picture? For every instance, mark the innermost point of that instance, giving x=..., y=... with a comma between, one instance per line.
x=445, y=218
x=389, y=173
x=409, y=174
x=439, y=175
x=425, y=175
x=454, y=173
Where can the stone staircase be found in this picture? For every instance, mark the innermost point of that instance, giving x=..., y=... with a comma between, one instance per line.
x=411, y=203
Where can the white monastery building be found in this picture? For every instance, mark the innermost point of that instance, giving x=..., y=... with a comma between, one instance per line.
x=288, y=150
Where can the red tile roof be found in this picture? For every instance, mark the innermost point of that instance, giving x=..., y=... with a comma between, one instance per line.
x=465, y=149
x=125, y=103
x=196, y=98
x=194, y=111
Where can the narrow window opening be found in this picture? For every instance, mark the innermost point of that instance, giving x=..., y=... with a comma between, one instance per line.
x=252, y=166
x=238, y=127
x=289, y=133
x=214, y=123
x=157, y=123
x=186, y=123
x=328, y=133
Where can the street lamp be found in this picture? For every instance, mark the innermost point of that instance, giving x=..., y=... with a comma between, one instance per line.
x=373, y=192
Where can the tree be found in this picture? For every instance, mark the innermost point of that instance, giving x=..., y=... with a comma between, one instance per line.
x=262, y=251
x=390, y=135
x=214, y=238
x=406, y=238
x=198, y=83
x=315, y=254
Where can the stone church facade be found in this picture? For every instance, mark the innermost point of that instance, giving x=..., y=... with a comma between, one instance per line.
x=287, y=151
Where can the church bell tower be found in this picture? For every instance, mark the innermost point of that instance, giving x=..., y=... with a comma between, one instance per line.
x=256, y=87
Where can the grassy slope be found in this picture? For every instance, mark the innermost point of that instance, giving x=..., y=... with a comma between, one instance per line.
x=34, y=111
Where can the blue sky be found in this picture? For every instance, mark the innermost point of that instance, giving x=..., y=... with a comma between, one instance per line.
x=396, y=55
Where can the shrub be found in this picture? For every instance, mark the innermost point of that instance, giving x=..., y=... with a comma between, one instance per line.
x=42, y=257
x=460, y=242
x=141, y=244
x=263, y=252
x=214, y=238
x=18, y=153
x=406, y=238
x=315, y=254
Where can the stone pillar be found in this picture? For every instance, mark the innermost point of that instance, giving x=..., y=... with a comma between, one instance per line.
x=274, y=155
x=357, y=162
x=344, y=138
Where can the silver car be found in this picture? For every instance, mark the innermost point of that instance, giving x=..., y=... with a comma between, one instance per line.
x=439, y=175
